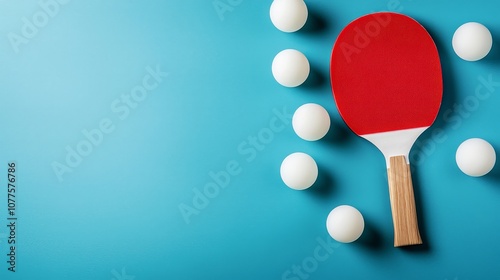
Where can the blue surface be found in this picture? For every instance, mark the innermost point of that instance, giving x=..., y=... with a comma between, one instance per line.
x=115, y=213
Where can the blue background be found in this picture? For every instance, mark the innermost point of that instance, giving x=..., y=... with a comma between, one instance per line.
x=117, y=215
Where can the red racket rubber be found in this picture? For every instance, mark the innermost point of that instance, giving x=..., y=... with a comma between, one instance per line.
x=387, y=85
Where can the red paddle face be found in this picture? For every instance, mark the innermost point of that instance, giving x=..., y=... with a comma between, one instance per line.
x=386, y=74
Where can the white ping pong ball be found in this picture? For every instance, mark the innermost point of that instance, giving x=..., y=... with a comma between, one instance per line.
x=311, y=122
x=345, y=224
x=472, y=41
x=299, y=171
x=288, y=15
x=290, y=68
x=475, y=157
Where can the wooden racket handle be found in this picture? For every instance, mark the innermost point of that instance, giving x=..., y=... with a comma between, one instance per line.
x=404, y=212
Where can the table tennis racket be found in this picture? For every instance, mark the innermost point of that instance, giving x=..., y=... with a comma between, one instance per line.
x=387, y=85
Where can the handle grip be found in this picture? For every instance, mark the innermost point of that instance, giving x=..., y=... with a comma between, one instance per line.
x=404, y=212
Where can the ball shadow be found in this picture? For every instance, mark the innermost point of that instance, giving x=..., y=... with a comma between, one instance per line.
x=316, y=22
x=324, y=185
x=338, y=133
x=494, y=174
x=494, y=56
x=316, y=78
x=371, y=238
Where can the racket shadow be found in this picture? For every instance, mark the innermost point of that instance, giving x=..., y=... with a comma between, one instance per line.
x=449, y=83
x=425, y=247
x=448, y=101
